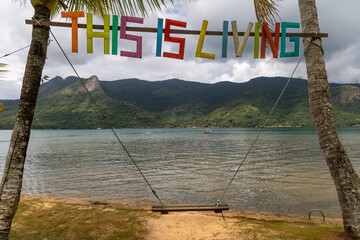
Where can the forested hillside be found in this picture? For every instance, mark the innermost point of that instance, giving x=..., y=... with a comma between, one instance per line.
x=134, y=103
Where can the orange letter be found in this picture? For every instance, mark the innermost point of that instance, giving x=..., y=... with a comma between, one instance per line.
x=74, y=27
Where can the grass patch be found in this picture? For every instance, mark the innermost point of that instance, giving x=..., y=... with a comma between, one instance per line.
x=38, y=219
x=44, y=219
x=260, y=229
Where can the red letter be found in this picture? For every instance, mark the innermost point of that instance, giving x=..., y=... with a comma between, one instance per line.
x=266, y=34
x=167, y=38
x=74, y=27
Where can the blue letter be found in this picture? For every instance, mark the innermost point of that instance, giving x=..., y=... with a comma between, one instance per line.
x=294, y=39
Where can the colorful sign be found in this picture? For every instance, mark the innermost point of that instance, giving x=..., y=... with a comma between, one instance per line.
x=276, y=41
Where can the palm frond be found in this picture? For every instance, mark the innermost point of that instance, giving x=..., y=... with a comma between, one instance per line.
x=266, y=10
x=119, y=7
x=2, y=70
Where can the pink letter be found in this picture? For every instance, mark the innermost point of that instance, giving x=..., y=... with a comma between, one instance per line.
x=138, y=39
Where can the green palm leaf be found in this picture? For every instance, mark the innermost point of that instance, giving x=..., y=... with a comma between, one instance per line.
x=266, y=10
x=101, y=7
x=2, y=70
x=120, y=7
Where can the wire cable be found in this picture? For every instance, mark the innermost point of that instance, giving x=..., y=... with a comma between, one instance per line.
x=8, y=54
x=106, y=120
x=266, y=120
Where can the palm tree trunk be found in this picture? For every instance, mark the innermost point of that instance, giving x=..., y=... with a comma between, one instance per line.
x=345, y=178
x=11, y=183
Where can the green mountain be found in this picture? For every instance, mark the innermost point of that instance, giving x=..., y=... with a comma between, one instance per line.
x=134, y=103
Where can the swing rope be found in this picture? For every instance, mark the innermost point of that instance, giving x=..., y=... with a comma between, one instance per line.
x=107, y=121
x=268, y=117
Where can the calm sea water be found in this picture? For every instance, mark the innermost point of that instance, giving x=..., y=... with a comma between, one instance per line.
x=284, y=174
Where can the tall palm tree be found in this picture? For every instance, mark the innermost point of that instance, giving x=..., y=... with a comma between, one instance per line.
x=346, y=180
x=11, y=183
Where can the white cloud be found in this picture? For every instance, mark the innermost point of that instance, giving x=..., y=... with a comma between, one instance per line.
x=343, y=68
x=243, y=71
x=335, y=17
x=9, y=89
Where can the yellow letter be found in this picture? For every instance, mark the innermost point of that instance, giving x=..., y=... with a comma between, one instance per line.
x=199, y=52
x=91, y=34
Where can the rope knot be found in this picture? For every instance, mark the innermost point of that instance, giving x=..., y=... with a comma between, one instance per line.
x=39, y=19
x=312, y=42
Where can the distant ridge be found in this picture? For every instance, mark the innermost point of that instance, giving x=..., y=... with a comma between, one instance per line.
x=56, y=84
x=135, y=103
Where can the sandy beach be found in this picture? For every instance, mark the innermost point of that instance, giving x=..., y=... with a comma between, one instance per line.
x=208, y=225
x=154, y=226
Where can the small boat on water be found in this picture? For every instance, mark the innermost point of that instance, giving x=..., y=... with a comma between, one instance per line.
x=207, y=131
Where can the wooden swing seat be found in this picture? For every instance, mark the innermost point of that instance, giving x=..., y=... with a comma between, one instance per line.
x=185, y=208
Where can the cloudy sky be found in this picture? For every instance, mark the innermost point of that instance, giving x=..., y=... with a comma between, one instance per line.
x=338, y=18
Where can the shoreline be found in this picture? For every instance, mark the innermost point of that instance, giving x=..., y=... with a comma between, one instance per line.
x=58, y=219
x=192, y=127
x=316, y=218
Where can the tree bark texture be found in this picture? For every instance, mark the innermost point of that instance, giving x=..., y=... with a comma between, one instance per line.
x=11, y=183
x=346, y=180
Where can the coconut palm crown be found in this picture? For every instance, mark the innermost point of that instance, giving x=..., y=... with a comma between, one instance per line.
x=101, y=7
